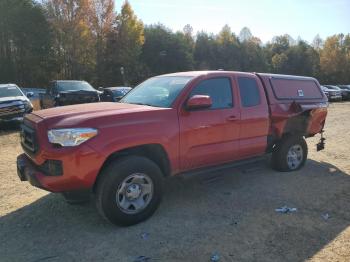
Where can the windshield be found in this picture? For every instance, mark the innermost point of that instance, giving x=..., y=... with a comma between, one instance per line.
x=120, y=92
x=7, y=91
x=157, y=91
x=74, y=86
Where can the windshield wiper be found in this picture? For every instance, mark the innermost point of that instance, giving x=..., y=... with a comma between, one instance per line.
x=142, y=104
x=136, y=103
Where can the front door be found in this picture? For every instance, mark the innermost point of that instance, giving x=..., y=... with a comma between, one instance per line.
x=210, y=136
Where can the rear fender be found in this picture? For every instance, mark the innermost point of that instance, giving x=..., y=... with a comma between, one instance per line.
x=306, y=120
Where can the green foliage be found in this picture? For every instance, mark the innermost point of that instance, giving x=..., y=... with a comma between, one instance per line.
x=335, y=59
x=86, y=39
x=165, y=51
x=73, y=40
x=124, y=46
x=25, y=41
x=205, y=51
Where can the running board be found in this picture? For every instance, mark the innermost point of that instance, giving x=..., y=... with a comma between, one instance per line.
x=235, y=164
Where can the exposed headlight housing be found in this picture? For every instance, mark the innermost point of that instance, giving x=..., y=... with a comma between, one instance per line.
x=71, y=136
x=28, y=106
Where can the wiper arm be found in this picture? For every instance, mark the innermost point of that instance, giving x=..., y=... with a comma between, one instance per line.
x=142, y=104
x=137, y=103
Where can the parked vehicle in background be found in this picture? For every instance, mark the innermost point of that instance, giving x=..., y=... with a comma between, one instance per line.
x=345, y=91
x=332, y=92
x=14, y=104
x=113, y=94
x=167, y=125
x=325, y=91
x=35, y=98
x=68, y=92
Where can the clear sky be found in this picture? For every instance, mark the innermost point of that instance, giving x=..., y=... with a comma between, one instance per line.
x=265, y=18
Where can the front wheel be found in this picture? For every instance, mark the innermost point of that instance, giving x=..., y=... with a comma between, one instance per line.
x=129, y=190
x=290, y=154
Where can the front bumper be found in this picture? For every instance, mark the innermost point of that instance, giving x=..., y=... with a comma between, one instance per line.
x=15, y=118
x=26, y=171
x=61, y=171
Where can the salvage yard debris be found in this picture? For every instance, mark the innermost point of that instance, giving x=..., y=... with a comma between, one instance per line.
x=325, y=216
x=215, y=257
x=286, y=209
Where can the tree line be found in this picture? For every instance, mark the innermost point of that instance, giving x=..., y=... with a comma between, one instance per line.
x=87, y=39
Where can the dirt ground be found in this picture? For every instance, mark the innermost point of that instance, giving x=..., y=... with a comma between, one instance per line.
x=231, y=213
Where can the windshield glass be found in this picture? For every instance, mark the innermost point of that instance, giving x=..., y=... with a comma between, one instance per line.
x=7, y=91
x=74, y=86
x=157, y=91
x=120, y=92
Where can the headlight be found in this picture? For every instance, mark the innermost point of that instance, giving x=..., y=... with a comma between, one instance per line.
x=70, y=136
x=28, y=106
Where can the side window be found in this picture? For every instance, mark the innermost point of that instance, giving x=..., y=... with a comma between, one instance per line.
x=219, y=89
x=249, y=90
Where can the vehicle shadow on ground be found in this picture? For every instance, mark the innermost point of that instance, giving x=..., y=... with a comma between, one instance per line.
x=231, y=212
x=7, y=128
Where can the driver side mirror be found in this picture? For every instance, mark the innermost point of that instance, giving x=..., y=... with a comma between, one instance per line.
x=199, y=102
x=29, y=94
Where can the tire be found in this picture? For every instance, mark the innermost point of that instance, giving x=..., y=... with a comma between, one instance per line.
x=129, y=190
x=76, y=197
x=290, y=154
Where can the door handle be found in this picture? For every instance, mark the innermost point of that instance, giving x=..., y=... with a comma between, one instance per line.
x=232, y=118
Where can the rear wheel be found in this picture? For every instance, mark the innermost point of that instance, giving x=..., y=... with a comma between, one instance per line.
x=129, y=190
x=290, y=154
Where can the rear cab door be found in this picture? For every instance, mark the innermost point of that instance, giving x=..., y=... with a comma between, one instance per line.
x=254, y=112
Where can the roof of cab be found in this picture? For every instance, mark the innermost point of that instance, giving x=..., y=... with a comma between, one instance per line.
x=117, y=87
x=202, y=73
x=68, y=81
x=6, y=85
x=218, y=72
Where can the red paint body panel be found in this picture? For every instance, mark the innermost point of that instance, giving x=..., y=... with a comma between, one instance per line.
x=191, y=139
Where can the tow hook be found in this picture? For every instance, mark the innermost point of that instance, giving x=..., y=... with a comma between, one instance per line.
x=321, y=144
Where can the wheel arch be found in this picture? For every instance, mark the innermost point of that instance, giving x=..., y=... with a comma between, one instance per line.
x=154, y=152
x=293, y=126
x=297, y=125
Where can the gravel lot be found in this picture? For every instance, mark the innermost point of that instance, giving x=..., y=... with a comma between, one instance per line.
x=231, y=212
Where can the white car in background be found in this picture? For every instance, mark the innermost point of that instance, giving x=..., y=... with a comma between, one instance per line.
x=14, y=104
x=333, y=93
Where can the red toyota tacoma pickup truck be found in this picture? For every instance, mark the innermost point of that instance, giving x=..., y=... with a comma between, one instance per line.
x=168, y=125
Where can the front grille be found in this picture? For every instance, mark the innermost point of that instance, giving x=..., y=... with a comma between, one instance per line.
x=12, y=108
x=28, y=139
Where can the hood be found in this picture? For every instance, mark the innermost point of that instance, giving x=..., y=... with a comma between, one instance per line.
x=13, y=98
x=86, y=114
